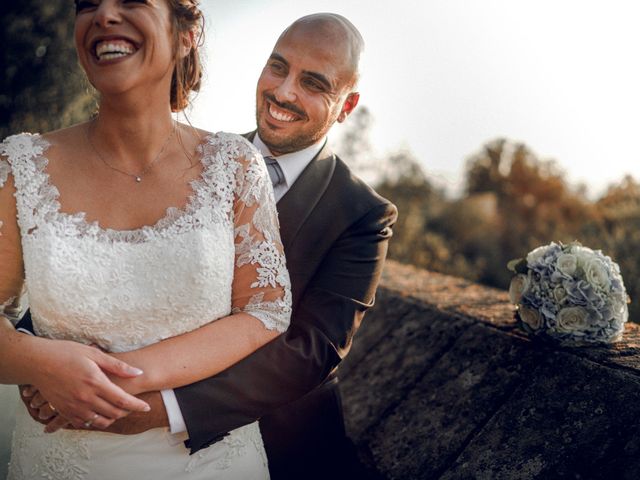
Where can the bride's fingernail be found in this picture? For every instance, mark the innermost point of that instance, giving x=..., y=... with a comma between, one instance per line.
x=136, y=371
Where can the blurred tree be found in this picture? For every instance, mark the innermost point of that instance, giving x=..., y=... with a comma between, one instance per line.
x=617, y=233
x=418, y=202
x=42, y=87
x=354, y=146
x=534, y=205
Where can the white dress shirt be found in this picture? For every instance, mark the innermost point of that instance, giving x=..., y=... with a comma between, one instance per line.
x=292, y=165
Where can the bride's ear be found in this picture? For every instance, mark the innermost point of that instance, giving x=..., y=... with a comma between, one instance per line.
x=187, y=43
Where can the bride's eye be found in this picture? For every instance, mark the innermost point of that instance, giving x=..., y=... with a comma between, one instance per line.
x=84, y=5
x=135, y=1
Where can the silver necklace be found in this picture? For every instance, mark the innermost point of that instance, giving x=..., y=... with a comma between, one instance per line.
x=137, y=177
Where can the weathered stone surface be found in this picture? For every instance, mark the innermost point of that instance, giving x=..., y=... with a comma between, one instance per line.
x=573, y=419
x=624, y=354
x=455, y=398
x=451, y=294
x=454, y=390
x=388, y=312
x=395, y=364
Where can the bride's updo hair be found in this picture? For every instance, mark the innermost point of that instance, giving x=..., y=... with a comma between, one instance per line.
x=187, y=74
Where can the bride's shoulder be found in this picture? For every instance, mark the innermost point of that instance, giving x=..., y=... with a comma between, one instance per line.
x=231, y=140
x=233, y=147
x=27, y=144
x=18, y=149
x=66, y=136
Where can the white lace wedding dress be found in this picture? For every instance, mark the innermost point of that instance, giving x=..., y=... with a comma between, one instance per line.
x=126, y=289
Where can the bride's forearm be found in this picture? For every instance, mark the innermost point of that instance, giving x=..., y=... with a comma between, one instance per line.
x=195, y=355
x=20, y=355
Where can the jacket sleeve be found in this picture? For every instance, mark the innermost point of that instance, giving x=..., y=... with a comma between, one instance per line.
x=322, y=327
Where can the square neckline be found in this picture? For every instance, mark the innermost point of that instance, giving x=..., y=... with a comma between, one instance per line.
x=34, y=151
x=172, y=213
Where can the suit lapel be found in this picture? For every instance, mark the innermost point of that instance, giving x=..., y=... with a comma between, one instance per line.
x=303, y=196
x=300, y=200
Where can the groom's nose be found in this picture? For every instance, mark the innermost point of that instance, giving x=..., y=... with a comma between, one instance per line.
x=285, y=92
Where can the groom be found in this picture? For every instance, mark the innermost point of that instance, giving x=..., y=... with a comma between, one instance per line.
x=335, y=231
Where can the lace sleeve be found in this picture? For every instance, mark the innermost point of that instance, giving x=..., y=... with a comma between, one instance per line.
x=11, y=278
x=261, y=285
x=5, y=169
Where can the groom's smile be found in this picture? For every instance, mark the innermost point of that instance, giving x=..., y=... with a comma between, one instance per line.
x=280, y=114
x=283, y=111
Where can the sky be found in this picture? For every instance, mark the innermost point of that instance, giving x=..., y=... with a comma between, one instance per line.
x=443, y=77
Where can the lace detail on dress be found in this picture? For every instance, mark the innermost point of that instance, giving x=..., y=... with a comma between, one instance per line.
x=65, y=456
x=236, y=445
x=5, y=170
x=258, y=245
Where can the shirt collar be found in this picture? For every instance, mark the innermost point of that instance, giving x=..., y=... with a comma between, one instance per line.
x=294, y=163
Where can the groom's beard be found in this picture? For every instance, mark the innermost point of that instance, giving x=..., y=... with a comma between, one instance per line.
x=287, y=138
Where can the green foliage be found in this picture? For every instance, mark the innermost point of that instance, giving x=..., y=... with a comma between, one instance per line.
x=42, y=87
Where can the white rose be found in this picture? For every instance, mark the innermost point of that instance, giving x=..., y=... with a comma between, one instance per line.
x=597, y=275
x=517, y=287
x=580, y=250
x=583, y=254
x=567, y=263
x=572, y=319
x=559, y=293
x=530, y=317
x=536, y=254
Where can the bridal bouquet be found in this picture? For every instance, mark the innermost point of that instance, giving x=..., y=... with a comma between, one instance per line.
x=570, y=293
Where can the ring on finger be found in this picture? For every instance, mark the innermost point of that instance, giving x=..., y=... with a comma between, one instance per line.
x=89, y=422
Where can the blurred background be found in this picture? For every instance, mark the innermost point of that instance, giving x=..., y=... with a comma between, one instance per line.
x=494, y=126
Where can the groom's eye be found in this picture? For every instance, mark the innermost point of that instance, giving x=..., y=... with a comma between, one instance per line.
x=277, y=68
x=313, y=84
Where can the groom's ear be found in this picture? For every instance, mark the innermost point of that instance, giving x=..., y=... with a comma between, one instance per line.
x=348, y=106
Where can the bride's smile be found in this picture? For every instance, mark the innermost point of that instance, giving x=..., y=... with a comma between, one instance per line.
x=123, y=44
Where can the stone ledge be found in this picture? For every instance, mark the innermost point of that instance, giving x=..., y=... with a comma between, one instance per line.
x=441, y=384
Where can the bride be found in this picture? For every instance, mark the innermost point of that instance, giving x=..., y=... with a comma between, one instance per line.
x=135, y=232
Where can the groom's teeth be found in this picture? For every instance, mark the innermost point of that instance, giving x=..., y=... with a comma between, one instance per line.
x=281, y=115
x=109, y=50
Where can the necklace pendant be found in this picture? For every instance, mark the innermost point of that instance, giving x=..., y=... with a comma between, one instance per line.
x=138, y=179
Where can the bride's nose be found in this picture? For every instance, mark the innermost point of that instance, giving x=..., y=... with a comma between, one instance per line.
x=107, y=14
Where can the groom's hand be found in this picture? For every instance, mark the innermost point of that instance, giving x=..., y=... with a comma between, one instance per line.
x=39, y=410
x=138, y=422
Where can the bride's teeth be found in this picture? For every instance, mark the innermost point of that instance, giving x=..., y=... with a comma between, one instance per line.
x=110, y=50
x=281, y=116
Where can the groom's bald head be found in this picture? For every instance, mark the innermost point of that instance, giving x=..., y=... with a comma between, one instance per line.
x=309, y=82
x=337, y=33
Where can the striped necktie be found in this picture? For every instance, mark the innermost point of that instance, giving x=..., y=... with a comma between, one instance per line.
x=275, y=171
